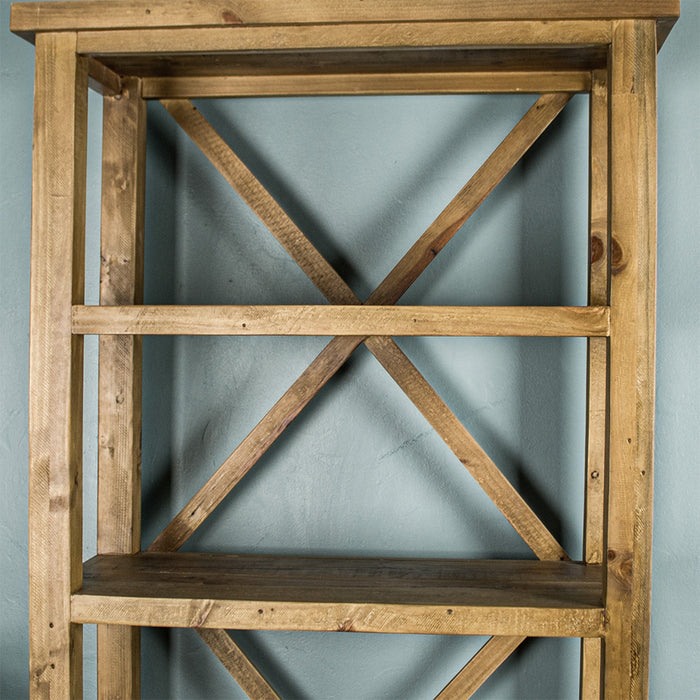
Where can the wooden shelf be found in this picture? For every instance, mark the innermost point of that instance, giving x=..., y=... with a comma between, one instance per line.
x=423, y=596
x=133, y=51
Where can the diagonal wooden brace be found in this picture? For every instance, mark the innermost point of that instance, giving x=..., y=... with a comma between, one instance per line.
x=336, y=353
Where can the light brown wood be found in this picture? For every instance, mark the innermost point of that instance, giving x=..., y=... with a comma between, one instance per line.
x=633, y=296
x=465, y=82
x=480, y=668
x=244, y=457
x=465, y=203
x=119, y=423
x=591, y=685
x=345, y=36
x=428, y=596
x=237, y=664
x=338, y=320
x=467, y=450
x=251, y=47
x=102, y=79
x=56, y=369
x=597, y=379
x=258, y=199
x=28, y=17
x=408, y=61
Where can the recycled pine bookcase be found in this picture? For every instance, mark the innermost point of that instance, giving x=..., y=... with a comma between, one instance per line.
x=134, y=51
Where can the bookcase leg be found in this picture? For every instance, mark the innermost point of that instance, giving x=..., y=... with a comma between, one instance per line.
x=596, y=427
x=121, y=282
x=56, y=366
x=633, y=285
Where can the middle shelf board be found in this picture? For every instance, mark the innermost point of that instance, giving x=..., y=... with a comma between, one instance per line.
x=358, y=320
x=420, y=596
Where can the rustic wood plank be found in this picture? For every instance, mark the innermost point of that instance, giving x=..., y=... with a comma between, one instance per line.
x=348, y=62
x=433, y=82
x=465, y=203
x=346, y=36
x=467, y=450
x=258, y=199
x=480, y=668
x=591, y=685
x=597, y=379
x=237, y=664
x=29, y=17
x=432, y=596
x=102, y=79
x=338, y=320
x=119, y=409
x=244, y=457
x=633, y=296
x=56, y=369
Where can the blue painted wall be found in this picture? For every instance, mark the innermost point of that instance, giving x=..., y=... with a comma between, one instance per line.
x=360, y=472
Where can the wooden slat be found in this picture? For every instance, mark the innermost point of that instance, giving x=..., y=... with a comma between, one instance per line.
x=119, y=456
x=597, y=379
x=244, y=457
x=28, y=17
x=433, y=82
x=56, y=370
x=480, y=668
x=378, y=61
x=465, y=203
x=467, y=450
x=542, y=321
x=237, y=664
x=430, y=596
x=348, y=36
x=256, y=196
x=633, y=296
x=102, y=79
x=336, y=353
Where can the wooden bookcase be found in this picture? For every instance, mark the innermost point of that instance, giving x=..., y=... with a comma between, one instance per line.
x=133, y=51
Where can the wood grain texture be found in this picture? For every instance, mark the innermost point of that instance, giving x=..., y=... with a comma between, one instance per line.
x=432, y=596
x=597, y=371
x=237, y=664
x=257, y=198
x=632, y=341
x=467, y=450
x=302, y=37
x=103, y=79
x=256, y=443
x=338, y=320
x=91, y=14
x=56, y=367
x=480, y=668
x=423, y=83
x=119, y=408
x=415, y=61
x=465, y=203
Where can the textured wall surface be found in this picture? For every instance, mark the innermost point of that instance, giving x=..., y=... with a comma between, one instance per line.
x=360, y=471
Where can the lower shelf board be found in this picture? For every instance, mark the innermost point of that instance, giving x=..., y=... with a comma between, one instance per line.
x=419, y=596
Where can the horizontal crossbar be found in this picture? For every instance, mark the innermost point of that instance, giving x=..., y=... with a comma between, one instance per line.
x=370, y=83
x=555, y=321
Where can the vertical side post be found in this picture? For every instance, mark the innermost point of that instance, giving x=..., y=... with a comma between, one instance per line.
x=632, y=299
x=596, y=438
x=56, y=366
x=121, y=282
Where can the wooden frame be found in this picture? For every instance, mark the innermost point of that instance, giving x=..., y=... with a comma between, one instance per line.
x=132, y=51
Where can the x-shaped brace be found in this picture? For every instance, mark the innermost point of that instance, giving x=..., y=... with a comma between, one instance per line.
x=337, y=352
